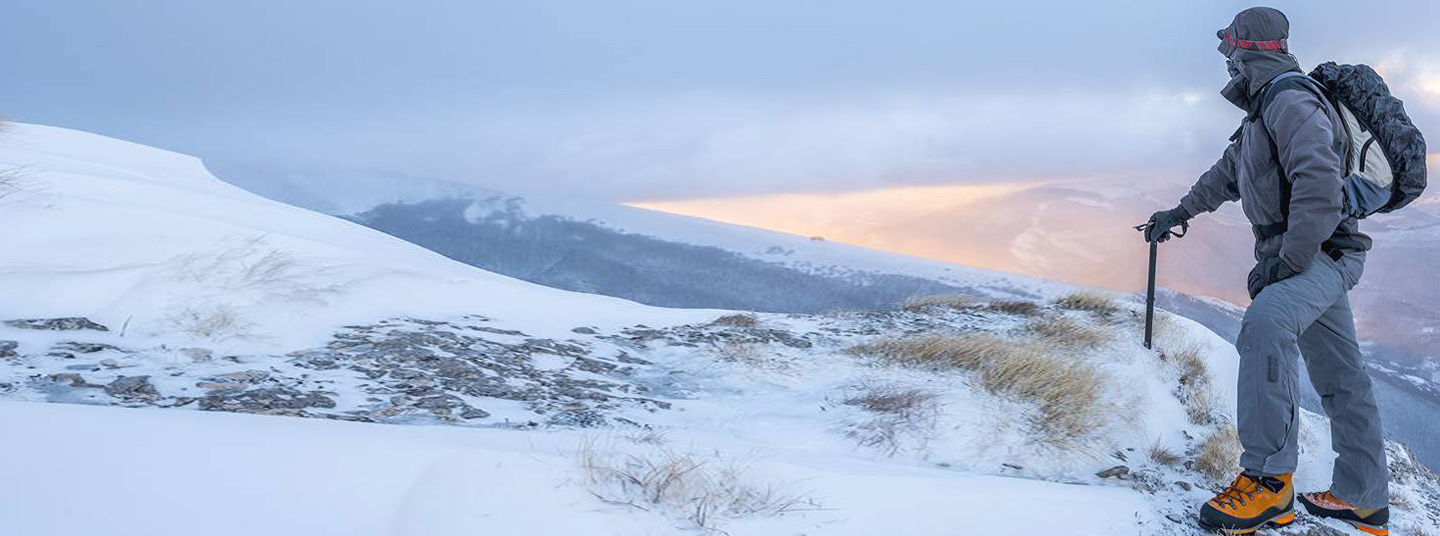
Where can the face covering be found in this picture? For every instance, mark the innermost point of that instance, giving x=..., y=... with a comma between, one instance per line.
x=1237, y=91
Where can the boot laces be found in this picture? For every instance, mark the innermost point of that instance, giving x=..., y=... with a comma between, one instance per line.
x=1244, y=488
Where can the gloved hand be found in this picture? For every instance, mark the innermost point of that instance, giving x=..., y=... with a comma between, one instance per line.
x=1268, y=271
x=1160, y=223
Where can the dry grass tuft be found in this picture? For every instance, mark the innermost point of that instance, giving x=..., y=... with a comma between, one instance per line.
x=13, y=182
x=1066, y=392
x=702, y=491
x=1092, y=301
x=1195, y=389
x=647, y=436
x=1015, y=307
x=951, y=301
x=940, y=351
x=216, y=322
x=737, y=320
x=750, y=354
x=901, y=416
x=1161, y=455
x=1218, y=456
x=1067, y=332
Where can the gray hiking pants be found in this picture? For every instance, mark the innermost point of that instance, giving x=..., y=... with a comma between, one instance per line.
x=1309, y=315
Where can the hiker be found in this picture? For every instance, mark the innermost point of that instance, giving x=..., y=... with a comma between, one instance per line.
x=1286, y=165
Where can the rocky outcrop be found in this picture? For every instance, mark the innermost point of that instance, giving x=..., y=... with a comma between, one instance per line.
x=57, y=324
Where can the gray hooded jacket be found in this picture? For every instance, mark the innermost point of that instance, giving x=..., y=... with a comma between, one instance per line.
x=1309, y=144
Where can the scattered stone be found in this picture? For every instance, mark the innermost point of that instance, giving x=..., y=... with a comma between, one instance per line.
x=1174, y=518
x=216, y=386
x=1183, y=485
x=1114, y=472
x=7, y=348
x=198, y=355
x=265, y=400
x=75, y=380
x=56, y=324
x=84, y=347
x=132, y=387
x=1012, y=466
x=584, y=331
x=250, y=376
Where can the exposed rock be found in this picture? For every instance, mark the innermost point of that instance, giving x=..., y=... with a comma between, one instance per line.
x=7, y=348
x=74, y=380
x=265, y=400
x=1114, y=472
x=132, y=387
x=249, y=376
x=198, y=355
x=1174, y=518
x=584, y=330
x=56, y=324
x=1183, y=485
x=84, y=347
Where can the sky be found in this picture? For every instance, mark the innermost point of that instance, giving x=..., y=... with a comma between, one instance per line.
x=660, y=100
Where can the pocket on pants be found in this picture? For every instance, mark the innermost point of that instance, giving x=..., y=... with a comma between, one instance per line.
x=1272, y=370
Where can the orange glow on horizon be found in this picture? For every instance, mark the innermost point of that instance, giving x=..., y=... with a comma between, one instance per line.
x=871, y=218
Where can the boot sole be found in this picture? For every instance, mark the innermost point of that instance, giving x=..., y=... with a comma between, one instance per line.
x=1323, y=513
x=1276, y=522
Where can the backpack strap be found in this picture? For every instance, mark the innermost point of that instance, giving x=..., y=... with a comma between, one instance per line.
x=1286, y=80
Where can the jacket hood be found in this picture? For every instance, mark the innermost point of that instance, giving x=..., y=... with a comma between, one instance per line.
x=1258, y=39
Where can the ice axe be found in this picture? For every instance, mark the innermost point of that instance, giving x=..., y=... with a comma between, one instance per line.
x=1150, y=284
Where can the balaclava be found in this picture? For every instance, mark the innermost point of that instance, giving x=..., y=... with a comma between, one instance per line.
x=1256, y=51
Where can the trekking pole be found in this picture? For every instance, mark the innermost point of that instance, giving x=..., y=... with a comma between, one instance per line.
x=1150, y=280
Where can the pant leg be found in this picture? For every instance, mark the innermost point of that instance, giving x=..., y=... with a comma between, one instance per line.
x=1267, y=390
x=1337, y=370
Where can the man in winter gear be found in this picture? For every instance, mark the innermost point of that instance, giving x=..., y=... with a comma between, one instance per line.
x=1284, y=165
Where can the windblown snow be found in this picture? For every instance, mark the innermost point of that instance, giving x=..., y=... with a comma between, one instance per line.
x=354, y=384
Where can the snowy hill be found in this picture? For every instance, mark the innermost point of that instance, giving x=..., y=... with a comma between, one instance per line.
x=141, y=281
x=147, y=239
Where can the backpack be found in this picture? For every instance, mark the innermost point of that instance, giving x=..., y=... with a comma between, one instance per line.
x=1384, y=154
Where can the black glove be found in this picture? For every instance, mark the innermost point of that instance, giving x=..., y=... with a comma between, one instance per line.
x=1158, y=228
x=1268, y=271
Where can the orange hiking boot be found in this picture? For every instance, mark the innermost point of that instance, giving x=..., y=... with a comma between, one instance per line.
x=1326, y=504
x=1251, y=502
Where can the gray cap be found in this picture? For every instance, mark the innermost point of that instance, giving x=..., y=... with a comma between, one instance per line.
x=1263, y=29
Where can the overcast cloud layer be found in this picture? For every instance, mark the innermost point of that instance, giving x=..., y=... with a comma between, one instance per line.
x=629, y=100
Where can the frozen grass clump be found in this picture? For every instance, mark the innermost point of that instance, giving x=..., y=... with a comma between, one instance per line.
x=899, y=417
x=1015, y=307
x=1086, y=300
x=1066, y=332
x=737, y=320
x=948, y=301
x=1218, y=455
x=704, y=491
x=1067, y=393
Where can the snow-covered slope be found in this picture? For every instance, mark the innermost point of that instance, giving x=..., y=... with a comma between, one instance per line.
x=571, y=413
x=148, y=240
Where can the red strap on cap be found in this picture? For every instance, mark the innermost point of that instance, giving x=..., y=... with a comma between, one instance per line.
x=1255, y=45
